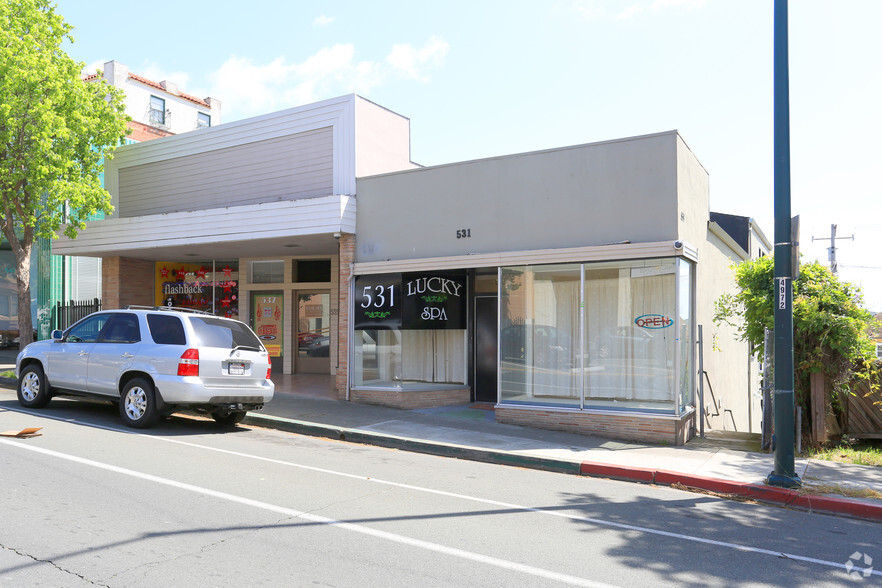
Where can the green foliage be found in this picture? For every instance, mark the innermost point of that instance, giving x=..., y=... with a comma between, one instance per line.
x=55, y=131
x=831, y=330
x=54, y=127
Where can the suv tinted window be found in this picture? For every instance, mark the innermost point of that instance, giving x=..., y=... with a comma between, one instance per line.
x=226, y=334
x=86, y=331
x=166, y=329
x=123, y=328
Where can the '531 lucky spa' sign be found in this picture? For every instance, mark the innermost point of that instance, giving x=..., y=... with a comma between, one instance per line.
x=411, y=301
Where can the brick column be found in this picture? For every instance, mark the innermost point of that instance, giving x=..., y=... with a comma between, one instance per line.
x=126, y=281
x=110, y=282
x=347, y=258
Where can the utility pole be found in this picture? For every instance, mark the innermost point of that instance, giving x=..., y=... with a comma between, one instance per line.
x=784, y=474
x=831, y=250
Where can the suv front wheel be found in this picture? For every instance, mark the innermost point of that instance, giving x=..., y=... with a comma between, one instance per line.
x=33, y=389
x=137, y=406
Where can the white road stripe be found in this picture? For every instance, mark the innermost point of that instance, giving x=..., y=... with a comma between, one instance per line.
x=429, y=546
x=601, y=522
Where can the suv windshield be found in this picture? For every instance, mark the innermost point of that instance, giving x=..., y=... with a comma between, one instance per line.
x=226, y=334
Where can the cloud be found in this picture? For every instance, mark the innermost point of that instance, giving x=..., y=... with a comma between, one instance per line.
x=411, y=61
x=248, y=88
x=91, y=68
x=322, y=20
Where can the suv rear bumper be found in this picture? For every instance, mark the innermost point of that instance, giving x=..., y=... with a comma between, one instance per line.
x=191, y=390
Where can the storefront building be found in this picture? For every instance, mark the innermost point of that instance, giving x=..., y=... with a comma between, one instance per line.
x=563, y=286
x=253, y=220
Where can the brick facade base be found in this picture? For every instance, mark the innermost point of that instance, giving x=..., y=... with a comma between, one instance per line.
x=411, y=399
x=661, y=430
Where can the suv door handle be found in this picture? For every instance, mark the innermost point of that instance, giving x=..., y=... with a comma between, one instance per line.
x=127, y=355
x=83, y=353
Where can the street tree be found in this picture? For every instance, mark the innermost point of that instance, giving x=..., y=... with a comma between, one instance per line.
x=831, y=330
x=55, y=131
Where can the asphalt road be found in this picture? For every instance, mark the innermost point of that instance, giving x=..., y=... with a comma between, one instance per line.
x=93, y=503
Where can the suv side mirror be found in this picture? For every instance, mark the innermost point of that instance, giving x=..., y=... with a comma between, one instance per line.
x=57, y=335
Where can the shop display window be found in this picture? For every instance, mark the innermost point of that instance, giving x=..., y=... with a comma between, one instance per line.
x=409, y=358
x=211, y=286
x=601, y=335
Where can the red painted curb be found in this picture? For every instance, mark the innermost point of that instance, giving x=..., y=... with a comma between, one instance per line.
x=760, y=492
x=605, y=470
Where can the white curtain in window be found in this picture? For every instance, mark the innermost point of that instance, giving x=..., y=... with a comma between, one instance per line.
x=433, y=356
x=626, y=361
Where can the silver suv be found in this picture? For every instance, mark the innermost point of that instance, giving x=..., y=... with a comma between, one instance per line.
x=152, y=361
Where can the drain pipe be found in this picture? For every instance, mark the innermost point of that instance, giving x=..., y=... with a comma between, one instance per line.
x=701, y=382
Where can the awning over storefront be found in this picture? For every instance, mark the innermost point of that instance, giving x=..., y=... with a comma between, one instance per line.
x=298, y=227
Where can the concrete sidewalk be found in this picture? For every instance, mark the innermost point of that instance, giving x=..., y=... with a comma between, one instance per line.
x=471, y=432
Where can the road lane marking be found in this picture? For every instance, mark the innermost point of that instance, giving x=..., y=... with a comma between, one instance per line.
x=496, y=503
x=401, y=539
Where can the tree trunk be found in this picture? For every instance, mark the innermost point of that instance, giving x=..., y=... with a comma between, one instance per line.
x=22, y=246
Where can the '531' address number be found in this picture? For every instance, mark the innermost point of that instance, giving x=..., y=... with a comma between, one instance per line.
x=463, y=233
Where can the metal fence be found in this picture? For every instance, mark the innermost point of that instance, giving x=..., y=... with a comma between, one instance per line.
x=67, y=313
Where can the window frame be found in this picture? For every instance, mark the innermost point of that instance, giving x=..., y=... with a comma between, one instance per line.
x=159, y=119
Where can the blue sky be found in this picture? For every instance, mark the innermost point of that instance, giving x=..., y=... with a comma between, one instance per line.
x=481, y=78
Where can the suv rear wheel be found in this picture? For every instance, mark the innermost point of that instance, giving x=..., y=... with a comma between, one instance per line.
x=33, y=389
x=137, y=406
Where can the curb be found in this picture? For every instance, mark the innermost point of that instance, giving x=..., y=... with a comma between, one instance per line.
x=762, y=493
x=415, y=445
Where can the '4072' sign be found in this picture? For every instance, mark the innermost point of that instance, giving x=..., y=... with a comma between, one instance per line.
x=410, y=301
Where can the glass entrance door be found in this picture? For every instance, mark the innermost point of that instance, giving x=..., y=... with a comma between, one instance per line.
x=312, y=348
x=267, y=322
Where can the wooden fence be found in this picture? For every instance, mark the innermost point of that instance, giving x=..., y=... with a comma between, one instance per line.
x=864, y=418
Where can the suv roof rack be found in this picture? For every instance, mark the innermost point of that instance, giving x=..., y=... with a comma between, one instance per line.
x=176, y=308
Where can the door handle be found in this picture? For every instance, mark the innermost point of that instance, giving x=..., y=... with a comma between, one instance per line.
x=83, y=353
x=127, y=356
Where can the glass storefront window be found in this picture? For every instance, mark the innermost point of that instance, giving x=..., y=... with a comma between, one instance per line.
x=601, y=335
x=267, y=272
x=630, y=334
x=408, y=358
x=211, y=286
x=684, y=308
x=539, y=335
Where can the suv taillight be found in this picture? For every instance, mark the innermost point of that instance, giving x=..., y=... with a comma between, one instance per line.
x=269, y=369
x=189, y=364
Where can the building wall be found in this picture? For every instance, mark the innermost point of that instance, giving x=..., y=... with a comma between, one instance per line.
x=382, y=139
x=126, y=281
x=593, y=194
x=181, y=108
x=732, y=401
x=693, y=189
x=290, y=167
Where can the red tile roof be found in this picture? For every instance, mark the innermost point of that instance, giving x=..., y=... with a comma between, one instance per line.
x=156, y=85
